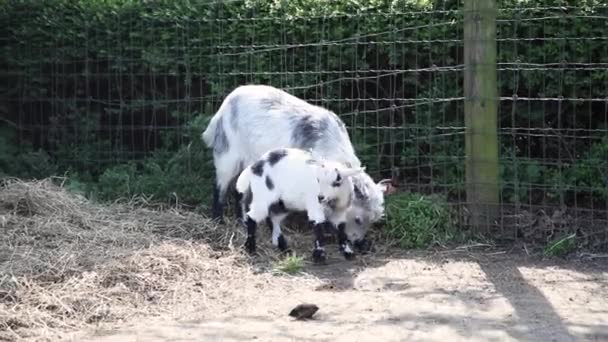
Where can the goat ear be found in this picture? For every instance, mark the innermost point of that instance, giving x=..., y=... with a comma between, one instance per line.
x=387, y=186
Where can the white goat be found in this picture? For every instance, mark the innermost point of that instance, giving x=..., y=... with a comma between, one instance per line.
x=287, y=180
x=254, y=119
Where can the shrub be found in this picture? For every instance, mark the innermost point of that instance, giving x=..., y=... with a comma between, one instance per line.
x=417, y=221
x=119, y=181
x=561, y=246
x=23, y=161
x=96, y=84
x=589, y=174
x=186, y=175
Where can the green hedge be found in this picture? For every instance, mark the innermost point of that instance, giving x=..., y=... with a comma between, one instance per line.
x=92, y=85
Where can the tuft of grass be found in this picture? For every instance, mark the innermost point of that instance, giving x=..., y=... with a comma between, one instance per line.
x=292, y=264
x=561, y=246
x=417, y=221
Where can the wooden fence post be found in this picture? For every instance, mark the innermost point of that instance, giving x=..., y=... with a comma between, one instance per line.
x=481, y=109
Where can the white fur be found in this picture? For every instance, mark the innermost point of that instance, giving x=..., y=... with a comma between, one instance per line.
x=276, y=228
x=257, y=118
x=298, y=183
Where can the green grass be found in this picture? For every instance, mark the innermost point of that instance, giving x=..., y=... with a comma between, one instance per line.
x=292, y=264
x=419, y=221
x=561, y=246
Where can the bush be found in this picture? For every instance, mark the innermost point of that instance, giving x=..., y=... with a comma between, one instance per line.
x=118, y=182
x=418, y=221
x=185, y=176
x=23, y=161
x=561, y=246
x=587, y=175
x=96, y=85
x=106, y=77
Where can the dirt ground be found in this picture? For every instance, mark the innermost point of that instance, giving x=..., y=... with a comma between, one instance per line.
x=415, y=297
x=72, y=270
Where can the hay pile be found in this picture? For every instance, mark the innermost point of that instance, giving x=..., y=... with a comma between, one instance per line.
x=66, y=263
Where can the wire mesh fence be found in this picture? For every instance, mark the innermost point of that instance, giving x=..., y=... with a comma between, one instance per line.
x=98, y=87
x=552, y=115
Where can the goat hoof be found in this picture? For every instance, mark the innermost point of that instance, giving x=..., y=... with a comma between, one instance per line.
x=349, y=255
x=364, y=246
x=347, y=251
x=282, y=243
x=318, y=256
x=250, y=245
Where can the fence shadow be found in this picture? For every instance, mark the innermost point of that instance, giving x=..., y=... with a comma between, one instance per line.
x=530, y=304
x=534, y=315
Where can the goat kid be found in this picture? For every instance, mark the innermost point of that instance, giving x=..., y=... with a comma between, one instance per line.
x=288, y=180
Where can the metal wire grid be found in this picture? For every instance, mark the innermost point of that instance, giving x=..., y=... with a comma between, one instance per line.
x=405, y=115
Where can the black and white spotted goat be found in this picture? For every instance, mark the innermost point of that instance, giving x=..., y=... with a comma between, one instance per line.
x=287, y=180
x=254, y=119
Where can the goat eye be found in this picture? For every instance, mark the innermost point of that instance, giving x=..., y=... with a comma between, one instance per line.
x=358, y=220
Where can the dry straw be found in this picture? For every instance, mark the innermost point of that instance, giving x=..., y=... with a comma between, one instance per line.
x=67, y=263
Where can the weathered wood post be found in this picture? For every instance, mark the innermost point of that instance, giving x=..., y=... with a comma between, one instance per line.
x=481, y=107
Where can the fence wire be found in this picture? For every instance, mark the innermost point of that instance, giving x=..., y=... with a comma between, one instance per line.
x=130, y=86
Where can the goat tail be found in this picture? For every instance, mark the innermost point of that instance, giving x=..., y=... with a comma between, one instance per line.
x=209, y=133
x=216, y=122
x=244, y=180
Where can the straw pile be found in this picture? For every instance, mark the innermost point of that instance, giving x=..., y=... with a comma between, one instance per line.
x=66, y=263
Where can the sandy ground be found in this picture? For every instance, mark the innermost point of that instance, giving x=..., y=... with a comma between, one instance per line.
x=415, y=297
x=71, y=270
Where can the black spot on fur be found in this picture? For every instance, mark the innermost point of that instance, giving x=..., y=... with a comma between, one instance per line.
x=330, y=228
x=258, y=168
x=251, y=229
x=238, y=197
x=277, y=208
x=358, y=193
x=307, y=131
x=246, y=201
x=337, y=182
x=269, y=183
x=234, y=112
x=276, y=155
x=282, y=243
x=220, y=140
